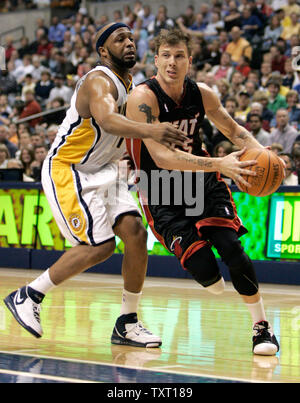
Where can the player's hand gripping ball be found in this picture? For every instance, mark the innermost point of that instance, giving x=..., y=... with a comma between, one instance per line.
x=269, y=172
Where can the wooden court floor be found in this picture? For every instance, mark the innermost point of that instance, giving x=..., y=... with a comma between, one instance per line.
x=205, y=338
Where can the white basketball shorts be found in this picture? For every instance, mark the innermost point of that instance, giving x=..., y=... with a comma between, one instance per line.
x=86, y=206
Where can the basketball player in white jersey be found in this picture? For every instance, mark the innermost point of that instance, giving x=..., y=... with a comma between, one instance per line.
x=79, y=174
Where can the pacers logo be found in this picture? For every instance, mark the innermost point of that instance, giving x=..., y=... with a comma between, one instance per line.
x=76, y=222
x=2, y=58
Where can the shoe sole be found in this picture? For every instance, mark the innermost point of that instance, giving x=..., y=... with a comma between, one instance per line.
x=115, y=339
x=10, y=305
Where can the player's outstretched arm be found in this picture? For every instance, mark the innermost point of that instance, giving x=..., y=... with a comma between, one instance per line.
x=217, y=114
x=103, y=108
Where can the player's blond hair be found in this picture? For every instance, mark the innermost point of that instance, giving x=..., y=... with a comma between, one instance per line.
x=173, y=37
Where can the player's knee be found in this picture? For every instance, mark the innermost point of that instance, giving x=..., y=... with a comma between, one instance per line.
x=100, y=253
x=204, y=269
x=216, y=288
x=233, y=254
x=136, y=233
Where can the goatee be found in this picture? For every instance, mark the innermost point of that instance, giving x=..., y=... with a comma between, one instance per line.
x=121, y=63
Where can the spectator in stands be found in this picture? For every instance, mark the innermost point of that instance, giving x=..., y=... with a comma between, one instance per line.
x=26, y=68
x=265, y=73
x=293, y=28
x=51, y=134
x=4, y=135
x=57, y=117
x=257, y=108
x=250, y=23
x=272, y=33
x=28, y=84
x=8, y=83
x=296, y=158
x=161, y=21
x=223, y=89
x=44, y=47
x=255, y=127
x=284, y=133
x=13, y=134
x=31, y=107
x=222, y=149
x=243, y=109
x=276, y=148
x=291, y=177
x=40, y=153
x=24, y=142
x=238, y=46
x=224, y=69
x=147, y=18
x=292, y=100
x=64, y=66
x=243, y=66
x=196, y=29
x=27, y=157
x=25, y=47
x=5, y=110
x=236, y=83
x=60, y=90
x=214, y=26
x=289, y=76
x=276, y=101
x=263, y=98
x=56, y=32
x=233, y=17
x=9, y=47
x=277, y=59
x=43, y=87
x=188, y=17
x=4, y=156
x=231, y=105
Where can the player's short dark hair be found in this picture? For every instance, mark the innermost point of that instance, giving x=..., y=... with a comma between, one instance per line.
x=173, y=37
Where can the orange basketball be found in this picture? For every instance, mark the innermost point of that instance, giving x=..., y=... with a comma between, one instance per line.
x=269, y=172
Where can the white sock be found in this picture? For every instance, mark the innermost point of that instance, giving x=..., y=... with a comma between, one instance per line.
x=257, y=311
x=43, y=283
x=130, y=302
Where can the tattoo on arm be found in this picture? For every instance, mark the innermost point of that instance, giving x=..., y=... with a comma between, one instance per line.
x=243, y=135
x=200, y=162
x=148, y=111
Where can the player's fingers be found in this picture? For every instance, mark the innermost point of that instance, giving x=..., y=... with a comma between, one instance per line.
x=243, y=164
x=241, y=181
x=247, y=172
x=174, y=133
x=239, y=153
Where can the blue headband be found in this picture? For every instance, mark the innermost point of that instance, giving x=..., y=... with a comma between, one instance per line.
x=102, y=38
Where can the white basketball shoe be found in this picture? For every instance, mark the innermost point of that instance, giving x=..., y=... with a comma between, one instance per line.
x=26, y=309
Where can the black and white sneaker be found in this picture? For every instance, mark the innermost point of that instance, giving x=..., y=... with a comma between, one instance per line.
x=264, y=341
x=25, y=310
x=129, y=331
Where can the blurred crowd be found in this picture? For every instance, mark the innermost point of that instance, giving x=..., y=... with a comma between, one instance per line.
x=247, y=51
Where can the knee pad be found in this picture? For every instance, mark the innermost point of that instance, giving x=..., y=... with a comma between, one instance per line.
x=243, y=275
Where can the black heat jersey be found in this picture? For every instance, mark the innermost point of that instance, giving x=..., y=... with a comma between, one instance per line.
x=163, y=203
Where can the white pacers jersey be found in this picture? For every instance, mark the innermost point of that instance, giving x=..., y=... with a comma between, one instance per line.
x=82, y=142
x=80, y=176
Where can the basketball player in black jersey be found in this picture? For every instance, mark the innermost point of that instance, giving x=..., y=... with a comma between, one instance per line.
x=172, y=97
